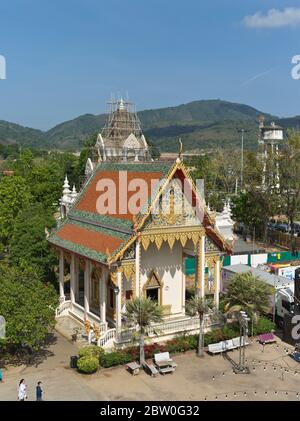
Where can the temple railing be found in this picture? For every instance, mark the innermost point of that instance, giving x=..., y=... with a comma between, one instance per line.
x=63, y=308
x=107, y=338
x=183, y=325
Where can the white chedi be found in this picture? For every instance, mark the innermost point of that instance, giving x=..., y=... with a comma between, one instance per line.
x=225, y=223
x=68, y=198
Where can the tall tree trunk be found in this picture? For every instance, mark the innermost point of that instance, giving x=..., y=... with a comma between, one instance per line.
x=142, y=347
x=201, y=338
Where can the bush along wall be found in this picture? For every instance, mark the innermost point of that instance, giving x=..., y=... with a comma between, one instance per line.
x=177, y=345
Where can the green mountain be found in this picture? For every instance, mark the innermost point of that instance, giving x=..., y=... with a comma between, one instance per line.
x=200, y=124
x=14, y=133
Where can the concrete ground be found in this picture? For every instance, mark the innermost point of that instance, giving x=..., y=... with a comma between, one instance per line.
x=273, y=376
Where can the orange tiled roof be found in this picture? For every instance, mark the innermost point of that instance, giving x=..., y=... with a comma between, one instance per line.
x=88, y=201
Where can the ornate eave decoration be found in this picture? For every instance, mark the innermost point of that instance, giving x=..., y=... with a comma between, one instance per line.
x=170, y=235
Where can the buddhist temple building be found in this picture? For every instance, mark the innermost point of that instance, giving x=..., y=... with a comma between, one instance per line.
x=127, y=234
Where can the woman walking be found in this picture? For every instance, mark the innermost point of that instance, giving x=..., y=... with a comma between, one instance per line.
x=22, y=396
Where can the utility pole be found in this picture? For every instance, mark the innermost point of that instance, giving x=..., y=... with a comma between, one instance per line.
x=242, y=131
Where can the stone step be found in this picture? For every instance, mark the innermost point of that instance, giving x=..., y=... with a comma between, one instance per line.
x=67, y=326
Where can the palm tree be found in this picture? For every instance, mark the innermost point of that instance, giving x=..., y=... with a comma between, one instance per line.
x=200, y=306
x=143, y=312
x=249, y=293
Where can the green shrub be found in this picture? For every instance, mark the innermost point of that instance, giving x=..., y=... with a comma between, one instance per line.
x=193, y=341
x=115, y=358
x=230, y=331
x=88, y=364
x=213, y=337
x=91, y=350
x=263, y=325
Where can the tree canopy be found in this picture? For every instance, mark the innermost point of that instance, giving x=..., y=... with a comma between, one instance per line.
x=14, y=195
x=29, y=245
x=28, y=306
x=248, y=293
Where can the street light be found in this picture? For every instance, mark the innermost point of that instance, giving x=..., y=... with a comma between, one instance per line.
x=242, y=131
x=241, y=368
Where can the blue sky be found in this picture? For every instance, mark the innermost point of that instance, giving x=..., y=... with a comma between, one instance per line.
x=65, y=57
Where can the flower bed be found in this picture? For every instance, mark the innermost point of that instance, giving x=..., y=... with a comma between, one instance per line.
x=177, y=345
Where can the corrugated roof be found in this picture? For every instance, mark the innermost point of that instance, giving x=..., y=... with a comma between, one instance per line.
x=269, y=278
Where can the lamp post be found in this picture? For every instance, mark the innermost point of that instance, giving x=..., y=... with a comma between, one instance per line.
x=242, y=131
x=241, y=367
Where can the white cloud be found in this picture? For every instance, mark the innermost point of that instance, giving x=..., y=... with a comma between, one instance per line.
x=274, y=18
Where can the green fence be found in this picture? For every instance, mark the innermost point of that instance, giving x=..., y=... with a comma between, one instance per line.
x=282, y=257
x=279, y=257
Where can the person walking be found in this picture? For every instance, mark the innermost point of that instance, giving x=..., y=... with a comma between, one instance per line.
x=22, y=395
x=39, y=391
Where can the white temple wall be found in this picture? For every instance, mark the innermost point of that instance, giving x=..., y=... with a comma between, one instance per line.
x=168, y=265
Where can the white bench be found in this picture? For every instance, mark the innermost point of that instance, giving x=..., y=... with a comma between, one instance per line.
x=226, y=345
x=215, y=348
x=164, y=363
x=164, y=357
x=236, y=342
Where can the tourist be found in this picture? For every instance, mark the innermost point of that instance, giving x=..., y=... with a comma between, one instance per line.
x=39, y=391
x=22, y=396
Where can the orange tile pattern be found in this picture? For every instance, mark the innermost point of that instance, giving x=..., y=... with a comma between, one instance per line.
x=93, y=240
x=89, y=199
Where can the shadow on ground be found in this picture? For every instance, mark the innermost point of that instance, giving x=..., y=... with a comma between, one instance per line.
x=24, y=356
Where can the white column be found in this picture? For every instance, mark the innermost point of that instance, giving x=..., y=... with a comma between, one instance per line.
x=103, y=297
x=87, y=275
x=61, y=277
x=217, y=283
x=137, y=268
x=72, y=281
x=183, y=284
x=119, y=302
x=76, y=286
x=202, y=266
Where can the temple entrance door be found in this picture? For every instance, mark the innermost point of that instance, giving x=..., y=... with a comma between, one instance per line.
x=153, y=288
x=153, y=294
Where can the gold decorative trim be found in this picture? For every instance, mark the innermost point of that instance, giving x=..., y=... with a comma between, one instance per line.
x=113, y=278
x=170, y=236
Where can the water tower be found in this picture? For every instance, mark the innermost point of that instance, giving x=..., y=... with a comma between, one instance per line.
x=270, y=138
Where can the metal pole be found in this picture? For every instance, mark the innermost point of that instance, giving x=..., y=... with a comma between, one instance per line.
x=242, y=158
x=242, y=131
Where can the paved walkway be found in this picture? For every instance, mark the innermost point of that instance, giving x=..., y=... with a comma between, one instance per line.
x=59, y=381
x=273, y=376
